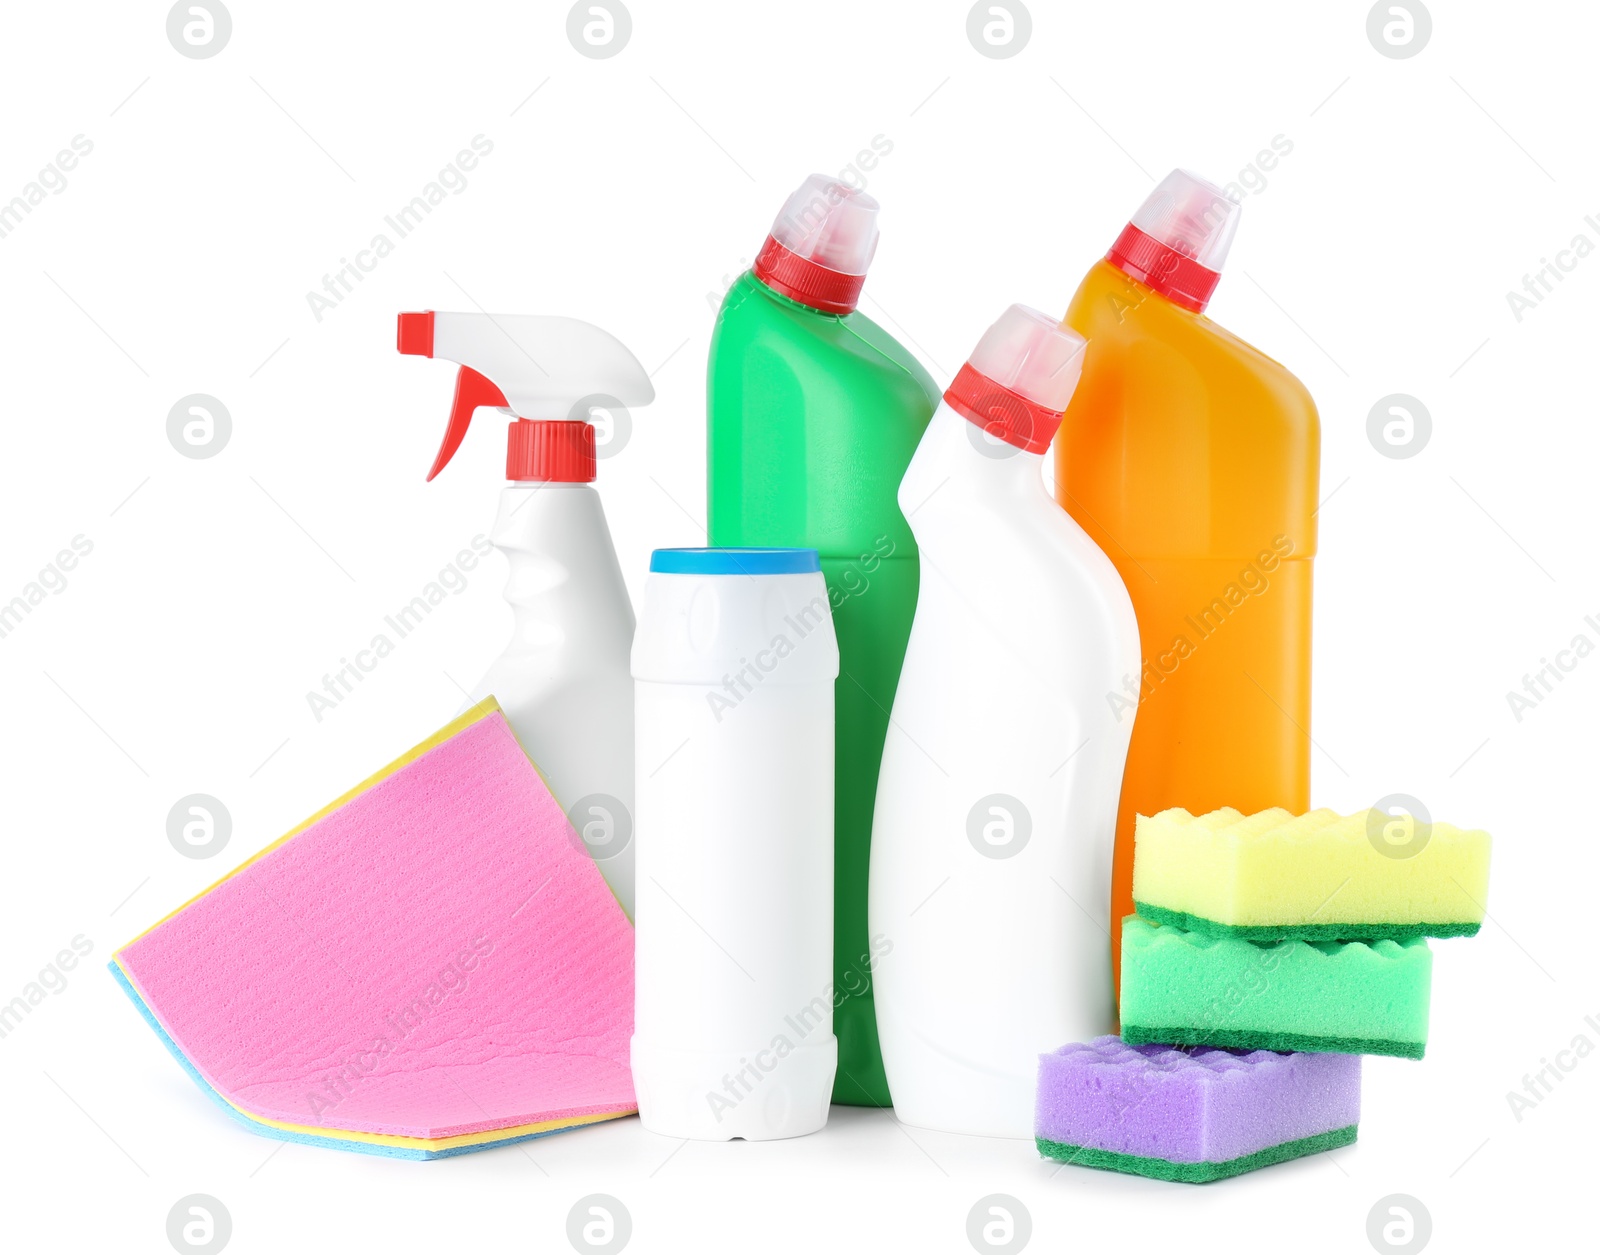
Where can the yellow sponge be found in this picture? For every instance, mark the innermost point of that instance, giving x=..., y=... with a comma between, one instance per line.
x=1321, y=875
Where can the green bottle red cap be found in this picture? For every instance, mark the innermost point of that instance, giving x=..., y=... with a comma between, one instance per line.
x=821, y=245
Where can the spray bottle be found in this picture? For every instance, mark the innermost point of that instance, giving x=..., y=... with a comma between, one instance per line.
x=563, y=681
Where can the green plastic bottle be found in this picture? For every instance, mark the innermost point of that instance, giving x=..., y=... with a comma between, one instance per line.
x=814, y=412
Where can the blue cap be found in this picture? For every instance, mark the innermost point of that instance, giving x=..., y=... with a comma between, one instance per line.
x=735, y=561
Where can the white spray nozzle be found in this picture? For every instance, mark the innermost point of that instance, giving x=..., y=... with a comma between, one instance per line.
x=1031, y=354
x=535, y=366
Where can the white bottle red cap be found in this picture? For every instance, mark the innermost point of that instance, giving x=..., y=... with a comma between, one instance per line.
x=1018, y=381
x=1179, y=238
x=821, y=245
x=557, y=450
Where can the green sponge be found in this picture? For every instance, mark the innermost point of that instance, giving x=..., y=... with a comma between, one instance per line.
x=1349, y=997
x=1203, y=1171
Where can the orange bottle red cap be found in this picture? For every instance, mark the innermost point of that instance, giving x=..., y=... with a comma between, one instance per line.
x=1178, y=239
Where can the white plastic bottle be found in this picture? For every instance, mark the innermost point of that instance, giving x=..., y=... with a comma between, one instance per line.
x=997, y=801
x=734, y=663
x=563, y=681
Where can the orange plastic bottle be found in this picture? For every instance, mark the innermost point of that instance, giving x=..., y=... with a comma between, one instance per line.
x=1191, y=458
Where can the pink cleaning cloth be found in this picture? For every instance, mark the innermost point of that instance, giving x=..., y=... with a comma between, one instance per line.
x=435, y=955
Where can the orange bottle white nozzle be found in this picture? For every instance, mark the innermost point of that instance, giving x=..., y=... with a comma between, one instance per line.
x=1190, y=456
x=543, y=371
x=1178, y=239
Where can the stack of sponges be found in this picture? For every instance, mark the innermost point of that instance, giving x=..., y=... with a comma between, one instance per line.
x=1268, y=933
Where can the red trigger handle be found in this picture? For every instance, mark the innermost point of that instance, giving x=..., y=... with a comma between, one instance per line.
x=472, y=390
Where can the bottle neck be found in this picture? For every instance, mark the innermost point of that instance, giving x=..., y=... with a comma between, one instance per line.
x=804, y=281
x=1182, y=280
x=962, y=479
x=1003, y=415
x=564, y=578
x=554, y=451
x=560, y=521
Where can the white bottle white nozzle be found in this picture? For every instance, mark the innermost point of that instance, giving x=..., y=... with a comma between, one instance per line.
x=1192, y=217
x=1031, y=354
x=1018, y=381
x=998, y=787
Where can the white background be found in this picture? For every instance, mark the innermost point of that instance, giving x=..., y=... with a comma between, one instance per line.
x=178, y=656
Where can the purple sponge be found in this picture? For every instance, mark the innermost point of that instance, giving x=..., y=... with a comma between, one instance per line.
x=1192, y=1116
